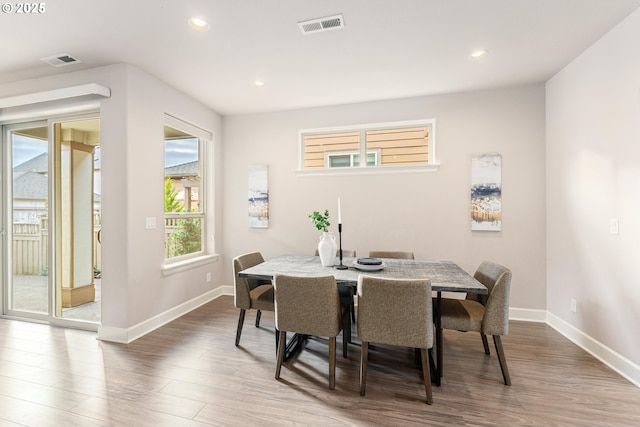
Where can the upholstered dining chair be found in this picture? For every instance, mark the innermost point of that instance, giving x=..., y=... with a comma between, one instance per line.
x=392, y=254
x=486, y=314
x=307, y=306
x=250, y=294
x=395, y=312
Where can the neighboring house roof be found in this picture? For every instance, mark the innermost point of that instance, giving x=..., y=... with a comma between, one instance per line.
x=30, y=185
x=31, y=182
x=38, y=164
x=182, y=170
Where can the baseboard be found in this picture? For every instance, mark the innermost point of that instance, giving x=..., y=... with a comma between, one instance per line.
x=528, y=315
x=623, y=366
x=227, y=290
x=128, y=335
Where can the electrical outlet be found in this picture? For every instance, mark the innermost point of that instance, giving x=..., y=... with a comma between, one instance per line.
x=208, y=277
x=574, y=305
x=614, y=226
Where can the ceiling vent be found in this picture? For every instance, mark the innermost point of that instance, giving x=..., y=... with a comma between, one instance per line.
x=60, y=60
x=328, y=23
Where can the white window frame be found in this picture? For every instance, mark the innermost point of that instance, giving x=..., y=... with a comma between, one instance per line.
x=204, y=137
x=432, y=165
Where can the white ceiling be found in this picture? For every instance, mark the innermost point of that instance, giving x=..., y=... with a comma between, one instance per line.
x=388, y=48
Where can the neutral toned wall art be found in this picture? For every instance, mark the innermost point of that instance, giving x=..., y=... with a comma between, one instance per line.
x=258, y=207
x=486, y=192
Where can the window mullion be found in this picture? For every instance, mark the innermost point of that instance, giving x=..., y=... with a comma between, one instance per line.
x=363, y=148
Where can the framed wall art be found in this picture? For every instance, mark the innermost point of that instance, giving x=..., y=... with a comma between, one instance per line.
x=486, y=192
x=258, y=207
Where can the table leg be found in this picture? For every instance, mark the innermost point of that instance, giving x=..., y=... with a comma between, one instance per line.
x=293, y=346
x=438, y=325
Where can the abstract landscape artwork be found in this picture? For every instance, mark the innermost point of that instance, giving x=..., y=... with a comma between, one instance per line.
x=486, y=192
x=258, y=196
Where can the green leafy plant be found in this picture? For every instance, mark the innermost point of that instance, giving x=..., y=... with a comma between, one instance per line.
x=171, y=202
x=186, y=238
x=320, y=221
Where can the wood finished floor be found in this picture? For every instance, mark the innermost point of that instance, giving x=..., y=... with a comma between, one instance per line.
x=189, y=373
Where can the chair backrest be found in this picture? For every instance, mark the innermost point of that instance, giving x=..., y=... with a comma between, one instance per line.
x=395, y=311
x=391, y=254
x=307, y=305
x=345, y=253
x=497, y=279
x=242, y=285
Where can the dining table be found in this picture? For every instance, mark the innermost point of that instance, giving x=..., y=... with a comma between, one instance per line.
x=445, y=276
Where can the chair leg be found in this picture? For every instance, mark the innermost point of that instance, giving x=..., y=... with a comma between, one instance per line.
x=485, y=343
x=502, y=359
x=282, y=340
x=240, y=323
x=426, y=374
x=363, y=367
x=258, y=314
x=332, y=363
x=353, y=312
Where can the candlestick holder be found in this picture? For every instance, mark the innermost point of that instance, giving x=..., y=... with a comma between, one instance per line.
x=340, y=266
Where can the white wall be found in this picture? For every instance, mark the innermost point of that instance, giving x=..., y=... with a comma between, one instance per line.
x=136, y=296
x=427, y=213
x=593, y=175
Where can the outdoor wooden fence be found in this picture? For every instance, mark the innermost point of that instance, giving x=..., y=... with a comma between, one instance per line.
x=30, y=254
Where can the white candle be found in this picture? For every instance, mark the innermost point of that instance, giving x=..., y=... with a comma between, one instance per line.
x=339, y=212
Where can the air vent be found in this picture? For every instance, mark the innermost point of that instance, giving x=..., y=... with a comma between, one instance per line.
x=328, y=23
x=60, y=60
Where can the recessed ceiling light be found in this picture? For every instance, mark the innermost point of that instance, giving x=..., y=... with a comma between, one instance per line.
x=259, y=83
x=479, y=54
x=199, y=23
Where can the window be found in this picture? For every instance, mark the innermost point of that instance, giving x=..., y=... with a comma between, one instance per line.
x=349, y=160
x=184, y=195
x=401, y=144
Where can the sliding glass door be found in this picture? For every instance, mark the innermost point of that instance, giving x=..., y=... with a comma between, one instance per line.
x=51, y=220
x=26, y=223
x=77, y=219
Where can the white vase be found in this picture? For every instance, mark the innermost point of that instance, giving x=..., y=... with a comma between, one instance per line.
x=334, y=243
x=326, y=250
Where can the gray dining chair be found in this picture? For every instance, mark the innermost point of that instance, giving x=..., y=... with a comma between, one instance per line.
x=486, y=314
x=308, y=306
x=395, y=312
x=250, y=294
x=392, y=254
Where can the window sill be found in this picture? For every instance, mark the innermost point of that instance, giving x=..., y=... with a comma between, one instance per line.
x=380, y=170
x=187, y=264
